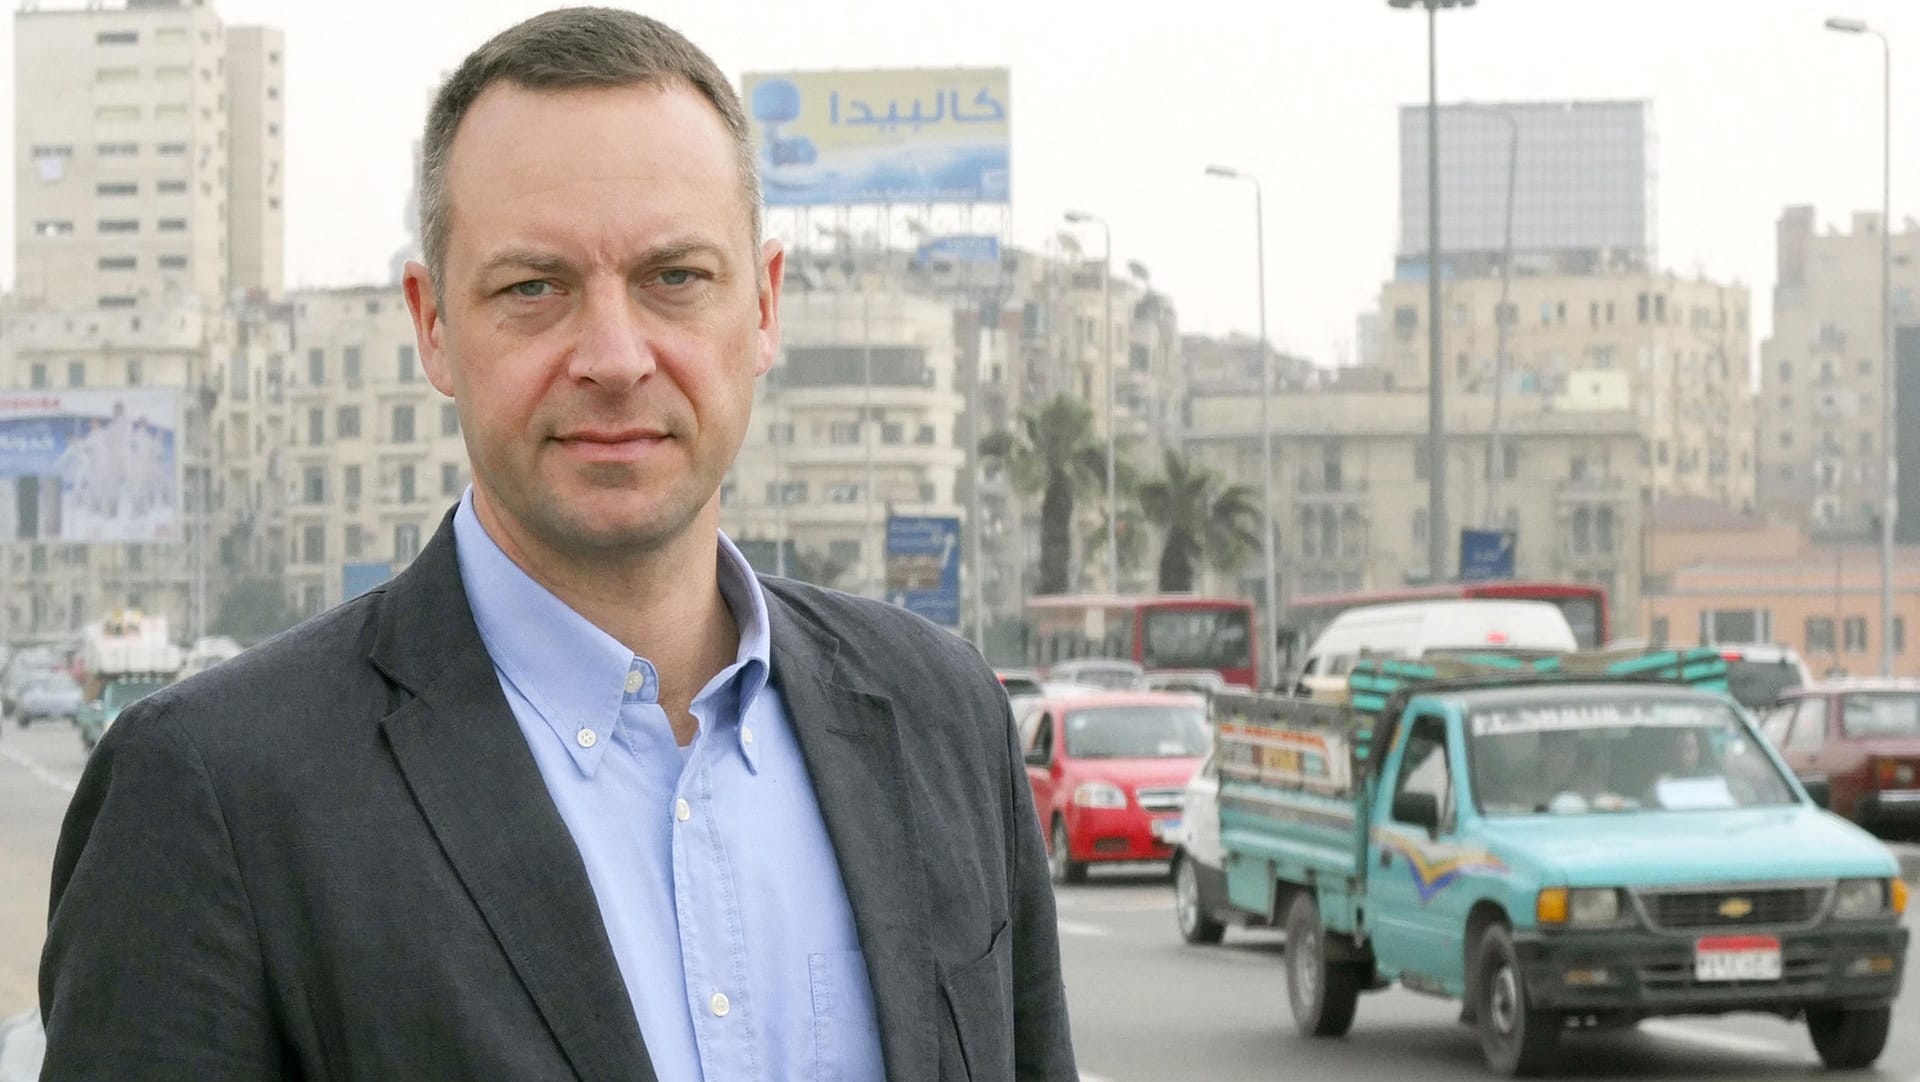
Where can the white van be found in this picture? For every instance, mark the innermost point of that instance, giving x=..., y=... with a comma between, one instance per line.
x=1417, y=629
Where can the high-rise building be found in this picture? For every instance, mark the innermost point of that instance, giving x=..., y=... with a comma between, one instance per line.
x=1822, y=447
x=1583, y=194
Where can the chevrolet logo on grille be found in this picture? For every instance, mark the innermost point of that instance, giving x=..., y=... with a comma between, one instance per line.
x=1735, y=908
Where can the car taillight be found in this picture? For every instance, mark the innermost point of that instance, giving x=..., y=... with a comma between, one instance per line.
x=1893, y=774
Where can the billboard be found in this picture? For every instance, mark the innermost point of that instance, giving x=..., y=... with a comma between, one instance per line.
x=90, y=466
x=1486, y=555
x=923, y=566
x=836, y=138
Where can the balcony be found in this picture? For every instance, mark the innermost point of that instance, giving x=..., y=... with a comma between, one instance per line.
x=1314, y=486
x=1602, y=489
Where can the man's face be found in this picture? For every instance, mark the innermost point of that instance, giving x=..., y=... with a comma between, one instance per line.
x=603, y=313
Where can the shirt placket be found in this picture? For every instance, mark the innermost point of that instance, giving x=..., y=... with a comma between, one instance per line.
x=712, y=943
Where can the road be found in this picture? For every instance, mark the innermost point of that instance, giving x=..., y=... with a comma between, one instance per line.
x=1147, y=1008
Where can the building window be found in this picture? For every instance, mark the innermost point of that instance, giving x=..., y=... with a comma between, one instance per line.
x=172, y=225
x=170, y=111
x=317, y=367
x=52, y=228
x=316, y=427
x=1819, y=635
x=118, y=262
x=76, y=373
x=1899, y=634
x=891, y=433
x=353, y=539
x=449, y=479
x=350, y=365
x=1856, y=633
x=407, y=490
x=116, y=188
x=925, y=435
x=1737, y=626
x=119, y=225
x=843, y=493
x=135, y=372
x=38, y=378
x=314, y=484
x=844, y=432
x=350, y=484
x=313, y=544
x=346, y=423
x=780, y=432
x=117, y=300
x=173, y=262
x=117, y=37
x=449, y=419
x=406, y=369
x=406, y=543
x=1657, y=631
x=171, y=187
x=402, y=427
x=170, y=149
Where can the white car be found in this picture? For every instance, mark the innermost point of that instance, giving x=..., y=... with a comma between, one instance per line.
x=1199, y=878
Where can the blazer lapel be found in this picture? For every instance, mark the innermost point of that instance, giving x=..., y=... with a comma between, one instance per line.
x=476, y=782
x=851, y=745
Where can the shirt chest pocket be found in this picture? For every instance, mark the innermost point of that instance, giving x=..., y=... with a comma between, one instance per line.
x=846, y=1033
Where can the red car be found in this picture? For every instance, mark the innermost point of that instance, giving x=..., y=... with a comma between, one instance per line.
x=1857, y=743
x=1105, y=766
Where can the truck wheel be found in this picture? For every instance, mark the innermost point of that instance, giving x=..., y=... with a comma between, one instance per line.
x=1516, y=1039
x=1060, y=860
x=1849, y=1040
x=1197, y=926
x=1323, y=995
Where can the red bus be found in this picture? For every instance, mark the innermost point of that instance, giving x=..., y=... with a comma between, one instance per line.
x=1585, y=607
x=1157, y=632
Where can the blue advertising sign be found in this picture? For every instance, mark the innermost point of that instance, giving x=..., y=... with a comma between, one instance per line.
x=982, y=248
x=357, y=579
x=923, y=567
x=837, y=138
x=1486, y=554
x=90, y=466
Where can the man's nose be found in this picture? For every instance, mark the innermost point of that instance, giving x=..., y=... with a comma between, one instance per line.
x=613, y=347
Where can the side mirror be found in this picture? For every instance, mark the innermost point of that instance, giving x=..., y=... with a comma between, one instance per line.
x=1418, y=809
x=1819, y=790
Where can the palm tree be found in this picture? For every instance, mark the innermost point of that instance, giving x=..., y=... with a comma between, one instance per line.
x=1053, y=452
x=1204, y=521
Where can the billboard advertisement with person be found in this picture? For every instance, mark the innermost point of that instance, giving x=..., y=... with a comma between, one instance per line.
x=90, y=466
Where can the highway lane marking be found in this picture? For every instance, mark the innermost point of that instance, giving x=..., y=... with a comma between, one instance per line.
x=65, y=785
x=1725, y=1042
x=1074, y=927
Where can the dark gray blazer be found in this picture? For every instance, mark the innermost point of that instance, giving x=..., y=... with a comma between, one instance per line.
x=334, y=858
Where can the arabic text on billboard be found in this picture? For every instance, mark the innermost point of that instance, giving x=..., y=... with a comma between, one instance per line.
x=90, y=466
x=834, y=138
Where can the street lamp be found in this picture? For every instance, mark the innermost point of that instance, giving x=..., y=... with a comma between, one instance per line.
x=1890, y=496
x=1268, y=650
x=1079, y=217
x=1436, y=368
x=1496, y=457
x=872, y=564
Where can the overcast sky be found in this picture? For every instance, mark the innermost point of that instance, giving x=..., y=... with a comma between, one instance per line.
x=1755, y=107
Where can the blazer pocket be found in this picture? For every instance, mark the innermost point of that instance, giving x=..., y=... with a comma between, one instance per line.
x=980, y=998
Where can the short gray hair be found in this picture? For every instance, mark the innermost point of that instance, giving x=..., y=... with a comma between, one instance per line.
x=568, y=49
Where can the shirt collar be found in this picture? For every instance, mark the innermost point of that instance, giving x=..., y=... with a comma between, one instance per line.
x=576, y=675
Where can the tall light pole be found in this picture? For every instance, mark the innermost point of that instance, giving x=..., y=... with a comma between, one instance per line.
x=1078, y=217
x=1436, y=359
x=1270, y=643
x=1890, y=493
x=1496, y=457
x=871, y=560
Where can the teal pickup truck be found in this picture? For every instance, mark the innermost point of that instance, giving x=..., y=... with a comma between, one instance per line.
x=1568, y=843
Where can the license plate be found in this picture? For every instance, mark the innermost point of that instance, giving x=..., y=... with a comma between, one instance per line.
x=1165, y=829
x=1736, y=958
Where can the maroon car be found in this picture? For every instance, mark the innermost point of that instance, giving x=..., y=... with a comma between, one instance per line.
x=1858, y=742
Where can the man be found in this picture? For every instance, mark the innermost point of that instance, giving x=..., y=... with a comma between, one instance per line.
x=574, y=796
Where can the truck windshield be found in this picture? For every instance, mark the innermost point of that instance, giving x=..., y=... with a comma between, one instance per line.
x=1551, y=758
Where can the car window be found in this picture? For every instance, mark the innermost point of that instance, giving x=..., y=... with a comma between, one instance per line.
x=1777, y=721
x=1880, y=714
x=1755, y=684
x=1137, y=732
x=1809, y=725
x=1423, y=766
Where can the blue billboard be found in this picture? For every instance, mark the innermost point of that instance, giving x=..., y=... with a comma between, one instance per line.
x=838, y=138
x=923, y=566
x=961, y=248
x=1486, y=555
x=90, y=466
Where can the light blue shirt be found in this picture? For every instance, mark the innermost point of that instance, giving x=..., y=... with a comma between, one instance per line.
x=711, y=865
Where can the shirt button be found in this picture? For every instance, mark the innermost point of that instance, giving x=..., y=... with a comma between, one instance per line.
x=634, y=680
x=746, y=736
x=586, y=738
x=720, y=1005
x=683, y=812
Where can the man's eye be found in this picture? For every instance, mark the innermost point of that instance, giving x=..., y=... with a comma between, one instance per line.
x=530, y=289
x=678, y=276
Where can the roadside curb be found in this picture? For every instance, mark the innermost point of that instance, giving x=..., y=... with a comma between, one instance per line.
x=1909, y=860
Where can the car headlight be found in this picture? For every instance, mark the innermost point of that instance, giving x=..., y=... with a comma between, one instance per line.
x=1856, y=899
x=1584, y=907
x=1099, y=794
